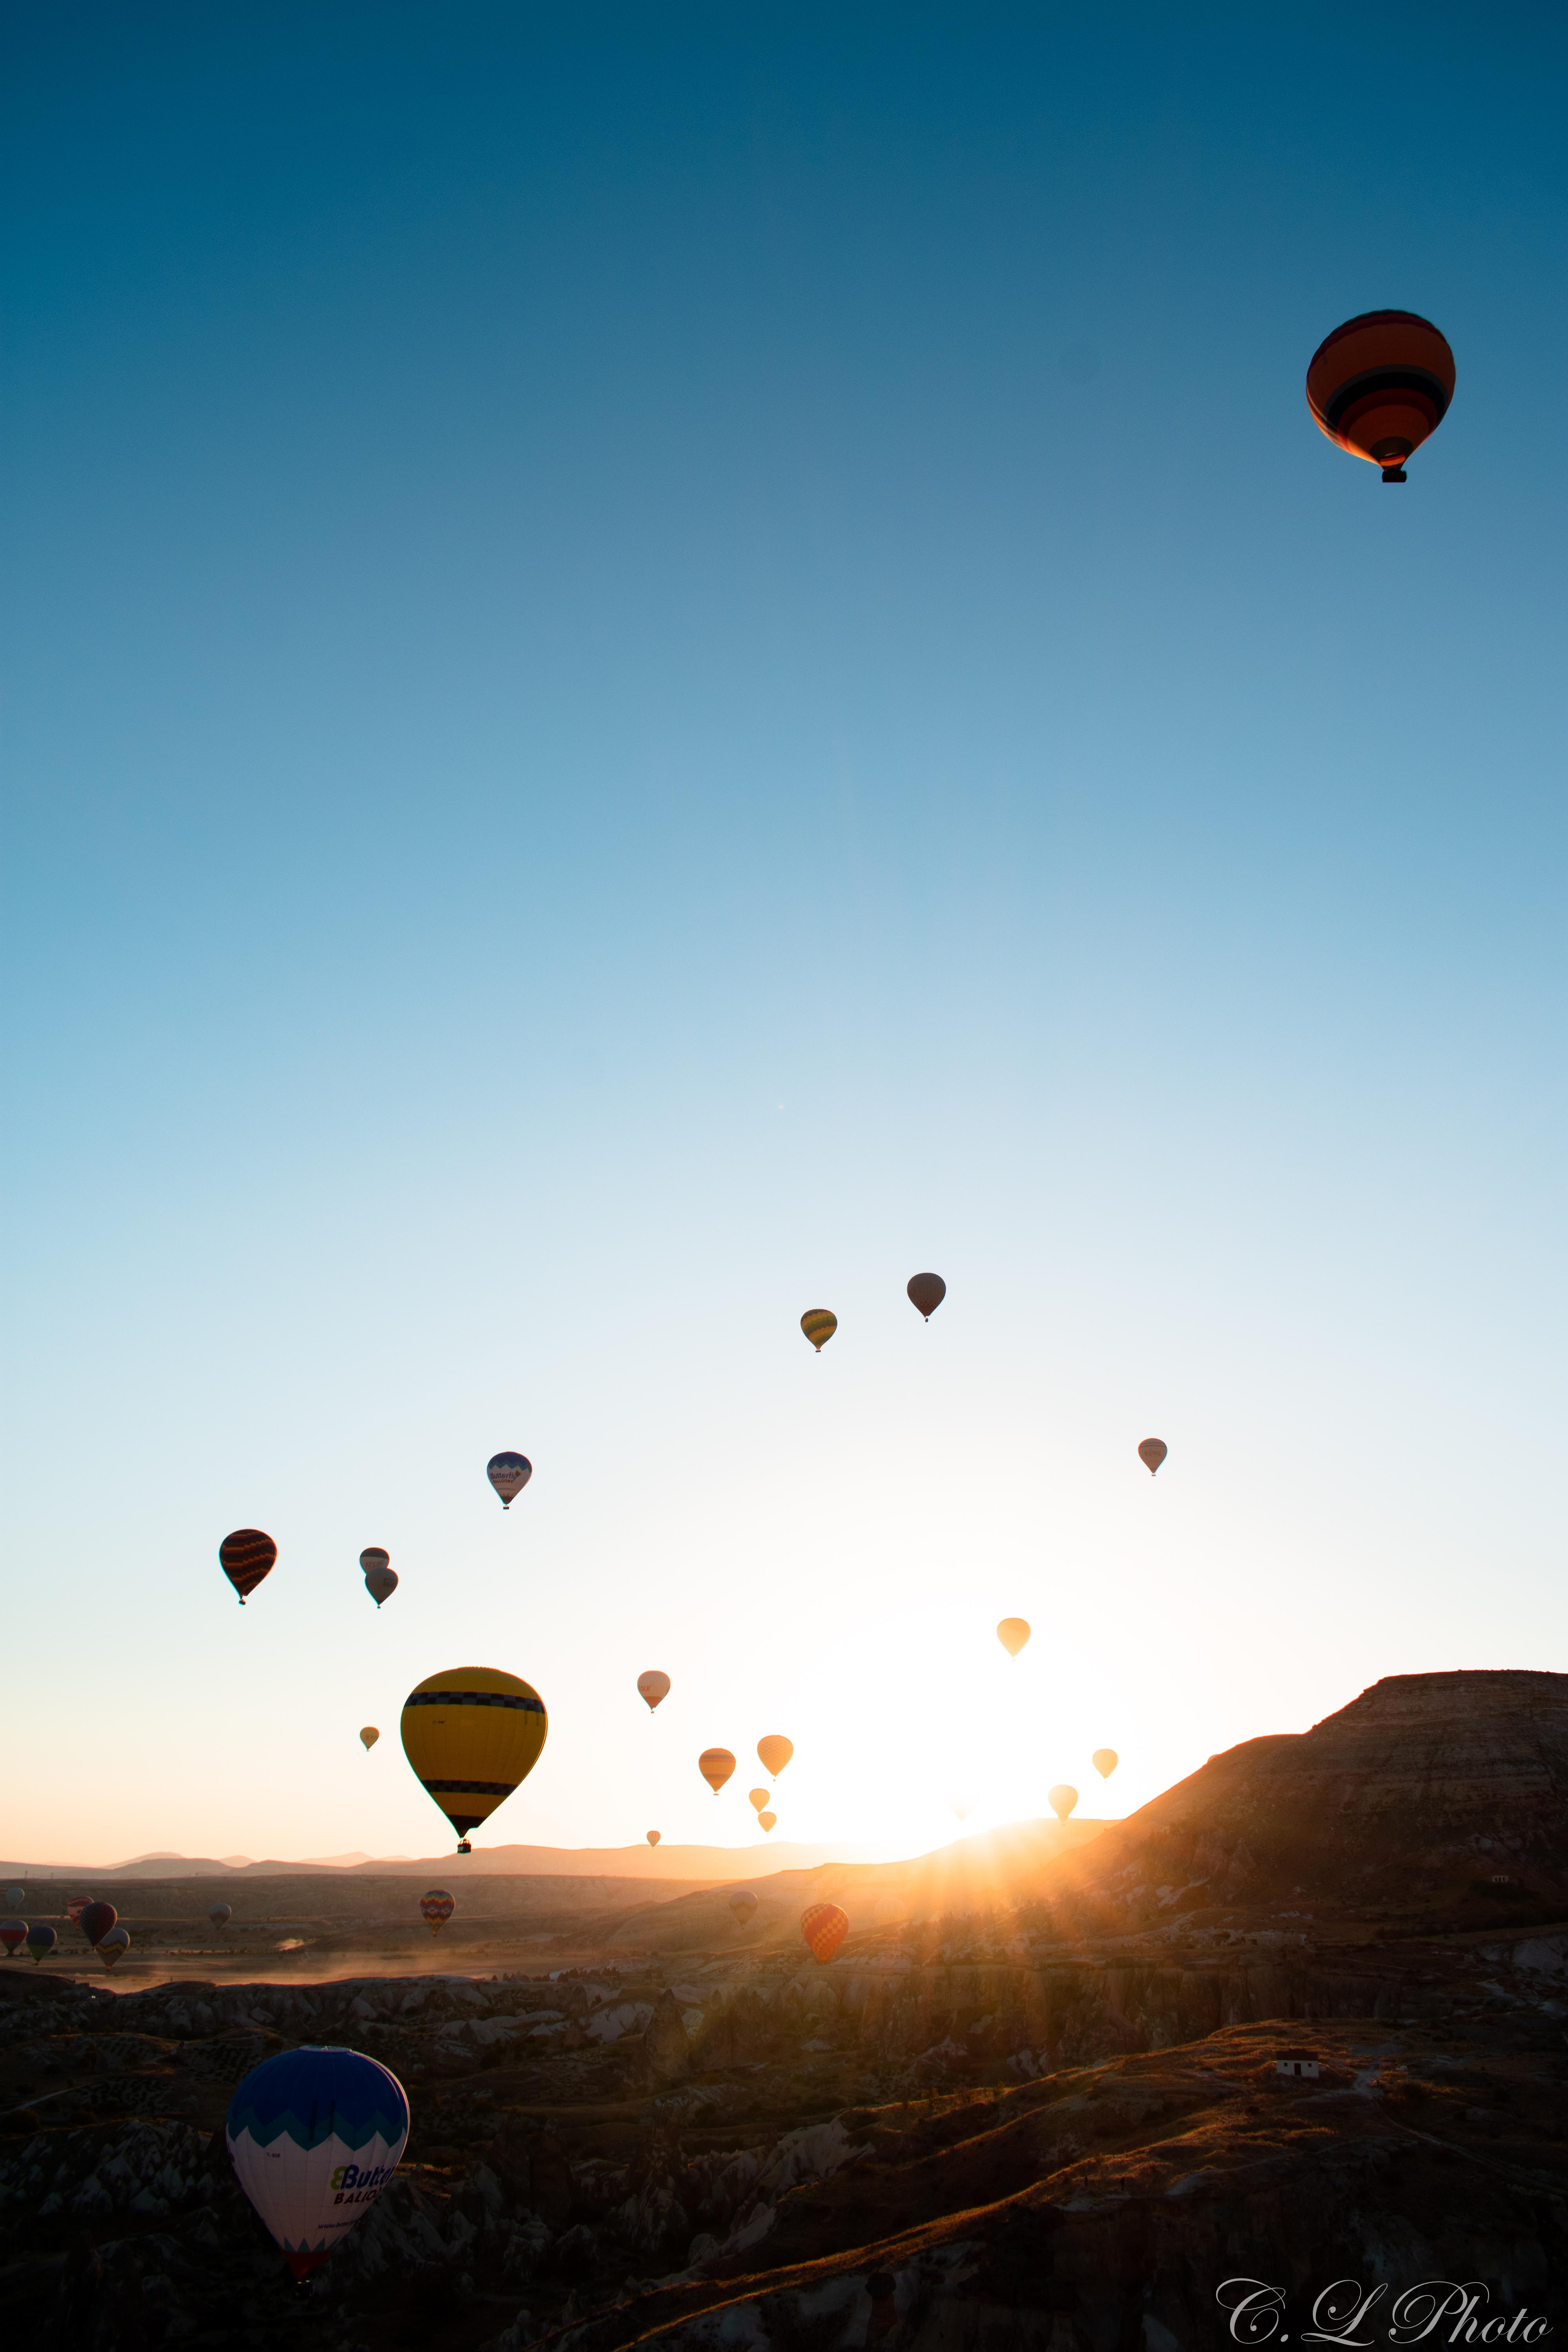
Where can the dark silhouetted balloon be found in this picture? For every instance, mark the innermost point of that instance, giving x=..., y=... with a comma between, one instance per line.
x=12, y=1935
x=825, y=1927
x=509, y=1473
x=380, y=1578
x=246, y=1556
x=819, y=1323
x=114, y=1946
x=715, y=1764
x=1152, y=1453
x=927, y=1292
x=96, y=1920
x=1380, y=384
x=41, y=1940
x=220, y=1914
x=743, y=1903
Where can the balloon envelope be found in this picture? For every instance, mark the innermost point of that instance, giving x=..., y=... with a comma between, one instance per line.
x=743, y=1903
x=775, y=1752
x=1061, y=1800
x=654, y=1836
x=1104, y=1762
x=1380, y=385
x=758, y=1800
x=220, y=1914
x=114, y=1946
x=1152, y=1453
x=435, y=1908
x=472, y=1734
x=15, y=1896
x=246, y=1556
x=715, y=1764
x=40, y=1940
x=1012, y=1633
x=96, y=1920
x=374, y=1556
x=825, y=1927
x=767, y=1820
x=380, y=1583
x=369, y=1735
x=819, y=1323
x=12, y=1935
x=509, y=1473
x=315, y=2135
x=653, y=1686
x=927, y=1292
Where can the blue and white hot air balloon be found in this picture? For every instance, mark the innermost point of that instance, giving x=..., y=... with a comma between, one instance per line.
x=315, y=2135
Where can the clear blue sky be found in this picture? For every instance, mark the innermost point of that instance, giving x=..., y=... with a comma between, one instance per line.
x=660, y=666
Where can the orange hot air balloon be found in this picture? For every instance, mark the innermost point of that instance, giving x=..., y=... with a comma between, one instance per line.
x=825, y=1927
x=1061, y=1800
x=653, y=1686
x=715, y=1764
x=927, y=1292
x=435, y=1908
x=1012, y=1633
x=758, y=1800
x=1105, y=1760
x=773, y=1753
x=767, y=1820
x=819, y=1323
x=654, y=1836
x=1152, y=1453
x=1380, y=385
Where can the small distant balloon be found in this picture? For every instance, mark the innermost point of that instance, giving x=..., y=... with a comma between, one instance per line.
x=767, y=1820
x=380, y=1581
x=96, y=1920
x=1012, y=1633
x=435, y=1908
x=652, y=1687
x=1104, y=1760
x=114, y=1946
x=12, y=1935
x=76, y=1906
x=715, y=1764
x=369, y=1735
x=819, y=1323
x=15, y=1896
x=509, y=1473
x=773, y=1753
x=1152, y=1453
x=246, y=1556
x=41, y=1941
x=743, y=1903
x=825, y=1927
x=758, y=1800
x=927, y=1292
x=1061, y=1800
x=963, y=1802
x=220, y=1914
x=654, y=1836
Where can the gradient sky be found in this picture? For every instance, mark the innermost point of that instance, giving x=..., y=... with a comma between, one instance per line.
x=661, y=664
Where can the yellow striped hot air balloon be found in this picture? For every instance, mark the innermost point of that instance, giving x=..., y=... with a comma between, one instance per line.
x=819, y=1323
x=472, y=1735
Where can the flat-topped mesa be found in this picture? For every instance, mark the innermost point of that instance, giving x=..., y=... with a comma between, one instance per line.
x=1426, y=1786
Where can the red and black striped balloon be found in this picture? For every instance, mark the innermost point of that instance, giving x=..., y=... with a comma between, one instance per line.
x=246, y=1556
x=1380, y=385
x=96, y=1921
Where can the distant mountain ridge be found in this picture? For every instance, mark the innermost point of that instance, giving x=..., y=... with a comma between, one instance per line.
x=642, y=1862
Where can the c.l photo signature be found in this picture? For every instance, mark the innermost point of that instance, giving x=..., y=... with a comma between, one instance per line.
x=1439, y=2311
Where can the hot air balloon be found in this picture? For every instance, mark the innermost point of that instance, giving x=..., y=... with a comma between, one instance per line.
x=220, y=1914
x=96, y=1920
x=653, y=1686
x=41, y=1940
x=75, y=1906
x=654, y=1836
x=472, y=1734
x=435, y=1908
x=743, y=1903
x=767, y=1820
x=380, y=1581
x=963, y=1802
x=509, y=1473
x=1061, y=1800
x=1152, y=1453
x=825, y=1927
x=368, y=1735
x=1104, y=1762
x=715, y=1764
x=927, y=1292
x=15, y=1896
x=246, y=1556
x=773, y=1753
x=758, y=1800
x=113, y=1947
x=12, y=1935
x=1012, y=1633
x=819, y=1325
x=315, y=2135
x=1380, y=384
